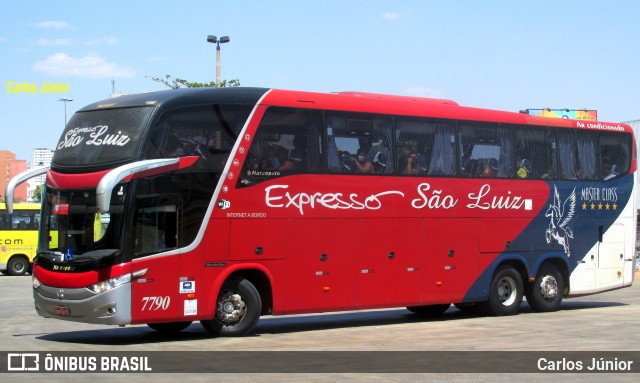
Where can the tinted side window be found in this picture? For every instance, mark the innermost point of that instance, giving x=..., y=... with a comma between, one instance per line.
x=535, y=153
x=206, y=131
x=577, y=155
x=425, y=147
x=615, y=154
x=359, y=143
x=485, y=150
x=288, y=141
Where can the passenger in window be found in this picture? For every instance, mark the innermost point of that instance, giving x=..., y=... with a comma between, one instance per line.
x=416, y=164
x=362, y=163
x=292, y=162
x=380, y=163
x=524, y=169
x=412, y=164
x=270, y=162
x=470, y=168
x=490, y=169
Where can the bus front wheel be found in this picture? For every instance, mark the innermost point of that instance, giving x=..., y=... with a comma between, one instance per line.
x=18, y=265
x=505, y=292
x=238, y=309
x=547, y=291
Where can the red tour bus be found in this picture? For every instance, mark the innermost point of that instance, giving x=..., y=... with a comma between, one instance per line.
x=222, y=205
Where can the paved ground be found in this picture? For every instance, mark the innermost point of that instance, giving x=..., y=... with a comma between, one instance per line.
x=597, y=323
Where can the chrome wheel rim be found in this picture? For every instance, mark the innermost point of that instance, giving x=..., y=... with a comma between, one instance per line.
x=507, y=291
x=231, y=307
x=549, y=288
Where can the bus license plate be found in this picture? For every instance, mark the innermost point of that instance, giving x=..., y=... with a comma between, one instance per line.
x=62, y=311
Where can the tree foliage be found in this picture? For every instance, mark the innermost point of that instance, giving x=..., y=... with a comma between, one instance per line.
x=176, y=83
x=37, y=193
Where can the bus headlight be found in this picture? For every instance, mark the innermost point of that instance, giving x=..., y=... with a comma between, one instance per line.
x=109, y=284
x=36, y=282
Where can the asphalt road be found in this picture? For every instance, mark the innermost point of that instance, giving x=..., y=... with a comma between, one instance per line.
x=595, y=324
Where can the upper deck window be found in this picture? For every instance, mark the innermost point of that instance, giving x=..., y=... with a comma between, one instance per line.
x=359, y=143
x=485, y=150
x=206, y=131
x=535, y=151
x=577, y=155
x=101, y=137
x=425, y=147
x=615, y=154
x=288, y=141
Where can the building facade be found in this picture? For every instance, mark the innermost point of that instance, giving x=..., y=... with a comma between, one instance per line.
x=10, y=167
x=41, y=157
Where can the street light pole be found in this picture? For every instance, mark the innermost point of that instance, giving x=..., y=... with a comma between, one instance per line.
x=65, y=100
x=214, y=39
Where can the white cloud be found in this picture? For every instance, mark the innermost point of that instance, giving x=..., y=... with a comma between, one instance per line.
x=103, y=41
x=53, y=25
x=420, y=91
x=391, y=16
x=55, y=42
x=62, y=65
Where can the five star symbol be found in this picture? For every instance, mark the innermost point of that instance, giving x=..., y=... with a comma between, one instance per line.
x=599, y=206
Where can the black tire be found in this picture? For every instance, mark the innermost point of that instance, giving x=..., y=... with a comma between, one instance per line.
x=18, y=265
x=168, y=328
x=546, y=293
x=505, y=293
x=430, y=310
x=238, y=309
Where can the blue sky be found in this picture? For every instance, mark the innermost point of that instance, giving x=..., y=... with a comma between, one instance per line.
x=507, y=55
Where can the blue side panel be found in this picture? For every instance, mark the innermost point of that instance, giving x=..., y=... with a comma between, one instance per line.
x=567, y=227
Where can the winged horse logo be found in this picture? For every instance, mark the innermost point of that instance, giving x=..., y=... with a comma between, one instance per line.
x=560, y=215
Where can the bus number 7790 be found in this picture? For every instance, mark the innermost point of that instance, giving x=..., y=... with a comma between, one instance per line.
x=155, y=303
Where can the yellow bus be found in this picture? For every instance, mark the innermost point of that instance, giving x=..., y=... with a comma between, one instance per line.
x=18, y=237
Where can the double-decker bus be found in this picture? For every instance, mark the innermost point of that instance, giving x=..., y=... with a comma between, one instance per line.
x=18, y=237
x=222, y=205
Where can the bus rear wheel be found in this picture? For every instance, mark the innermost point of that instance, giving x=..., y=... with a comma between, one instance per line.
x=169, y=328
x=17, y=265
x=547, y=291
x=505, y=292
x=238, y=309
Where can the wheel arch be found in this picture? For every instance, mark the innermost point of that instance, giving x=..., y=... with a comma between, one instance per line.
x=516, y=261
x=257, y=274
x=262, y=283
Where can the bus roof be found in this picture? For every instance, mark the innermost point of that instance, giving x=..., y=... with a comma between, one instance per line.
x=346, y=101
x=422, y=107
x=180, y=97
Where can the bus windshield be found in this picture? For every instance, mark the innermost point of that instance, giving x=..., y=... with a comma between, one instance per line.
x=86, y=237
x=100, y=137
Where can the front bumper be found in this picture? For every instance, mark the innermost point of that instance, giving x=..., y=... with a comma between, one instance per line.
x=112, y=307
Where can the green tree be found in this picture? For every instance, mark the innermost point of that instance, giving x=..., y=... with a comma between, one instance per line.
x=37, y=193
x=176, y=83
